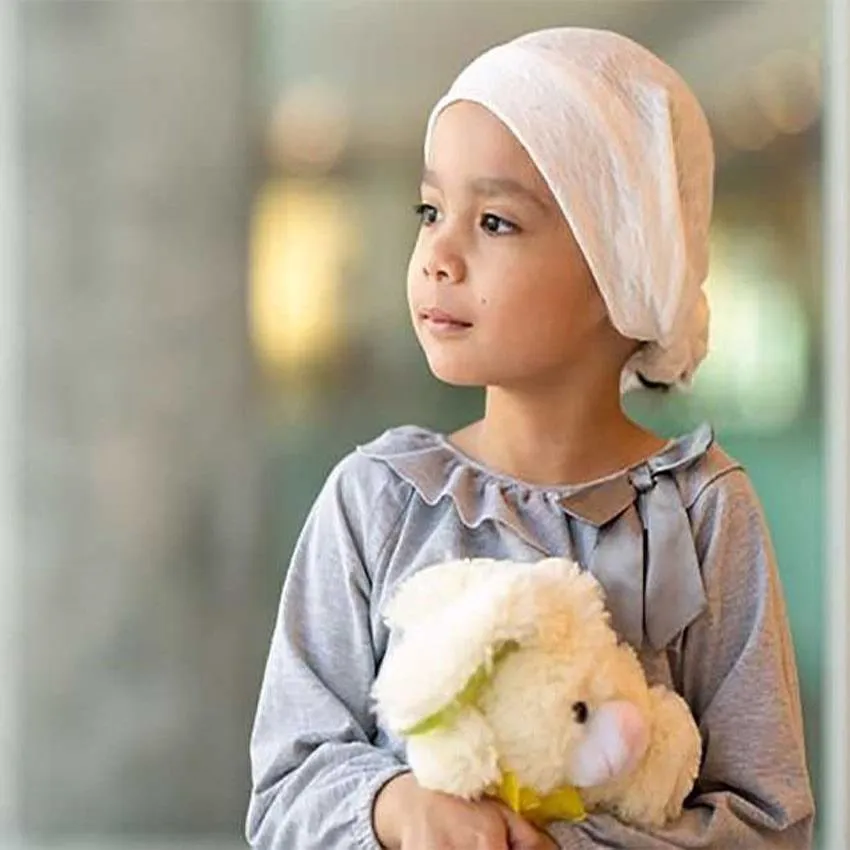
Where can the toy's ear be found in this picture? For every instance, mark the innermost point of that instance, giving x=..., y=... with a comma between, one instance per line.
x=460, y=760
x=432, y=590
x=442, y=663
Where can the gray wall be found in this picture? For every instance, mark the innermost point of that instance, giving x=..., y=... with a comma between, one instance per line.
x=139, y=508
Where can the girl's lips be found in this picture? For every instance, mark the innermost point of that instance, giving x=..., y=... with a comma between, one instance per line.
x=437, y=317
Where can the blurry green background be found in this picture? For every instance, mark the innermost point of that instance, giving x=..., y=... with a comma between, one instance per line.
x=216, y=214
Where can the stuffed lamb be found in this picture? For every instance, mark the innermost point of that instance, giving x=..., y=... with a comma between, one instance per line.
x=507, y=679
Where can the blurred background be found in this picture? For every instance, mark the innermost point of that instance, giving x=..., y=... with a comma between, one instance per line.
x=213, y=228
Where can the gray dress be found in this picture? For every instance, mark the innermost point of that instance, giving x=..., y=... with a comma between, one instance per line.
x=679, y=544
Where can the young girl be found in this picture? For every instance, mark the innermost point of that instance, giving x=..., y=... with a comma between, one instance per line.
x=565, y=210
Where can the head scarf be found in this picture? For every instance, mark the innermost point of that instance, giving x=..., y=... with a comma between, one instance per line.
x=625, y=149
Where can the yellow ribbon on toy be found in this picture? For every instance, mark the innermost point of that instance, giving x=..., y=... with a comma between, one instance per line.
x=563, y=803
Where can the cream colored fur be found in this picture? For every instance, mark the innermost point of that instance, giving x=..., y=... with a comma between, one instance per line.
x=452, y=618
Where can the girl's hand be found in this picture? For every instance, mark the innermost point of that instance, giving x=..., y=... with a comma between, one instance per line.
x=409, y=817
x=522, y=835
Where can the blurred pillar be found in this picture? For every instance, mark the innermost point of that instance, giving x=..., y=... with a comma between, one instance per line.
x=836, y=824
x=138, y=503
x=10, y=368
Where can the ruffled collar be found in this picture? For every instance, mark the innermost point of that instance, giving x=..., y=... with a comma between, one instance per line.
x=647, y=563
x=437, y=469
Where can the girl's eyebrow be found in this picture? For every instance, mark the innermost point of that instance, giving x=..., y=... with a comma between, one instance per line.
x=491, y=187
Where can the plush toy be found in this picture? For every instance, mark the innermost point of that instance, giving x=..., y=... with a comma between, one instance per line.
x=508, y=680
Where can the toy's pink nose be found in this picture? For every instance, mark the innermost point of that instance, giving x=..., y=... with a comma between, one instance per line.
x=615, y=741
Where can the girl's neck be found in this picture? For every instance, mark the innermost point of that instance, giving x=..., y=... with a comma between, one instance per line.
x=553, y=438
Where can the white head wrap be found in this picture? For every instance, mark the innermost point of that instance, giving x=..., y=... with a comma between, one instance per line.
x=626, y=150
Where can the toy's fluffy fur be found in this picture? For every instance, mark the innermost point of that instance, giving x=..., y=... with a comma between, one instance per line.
x=452, y=618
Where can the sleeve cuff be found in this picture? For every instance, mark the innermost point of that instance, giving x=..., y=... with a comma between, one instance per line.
x=364, y=824
x=569, y=836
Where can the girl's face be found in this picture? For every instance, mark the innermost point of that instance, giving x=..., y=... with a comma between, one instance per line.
x=499, y=291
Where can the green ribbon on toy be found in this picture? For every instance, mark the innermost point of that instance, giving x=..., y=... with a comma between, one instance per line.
x=467, y=697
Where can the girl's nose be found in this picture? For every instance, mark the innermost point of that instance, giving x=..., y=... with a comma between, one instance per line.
x=444, y=264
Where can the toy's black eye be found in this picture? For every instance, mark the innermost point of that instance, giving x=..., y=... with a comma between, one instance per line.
x=580, y=712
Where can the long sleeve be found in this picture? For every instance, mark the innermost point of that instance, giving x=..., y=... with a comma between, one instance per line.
x=737, y=672
x=315, y=769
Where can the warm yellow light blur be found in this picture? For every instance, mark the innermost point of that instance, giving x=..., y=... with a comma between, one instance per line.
x=309, y=128
x=787, y=89
x=300, y=243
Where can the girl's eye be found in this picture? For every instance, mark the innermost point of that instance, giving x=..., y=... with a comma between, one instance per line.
x=427, y=214
x=497, y=225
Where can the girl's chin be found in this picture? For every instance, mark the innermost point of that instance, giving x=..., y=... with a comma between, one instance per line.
x=457, y=374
